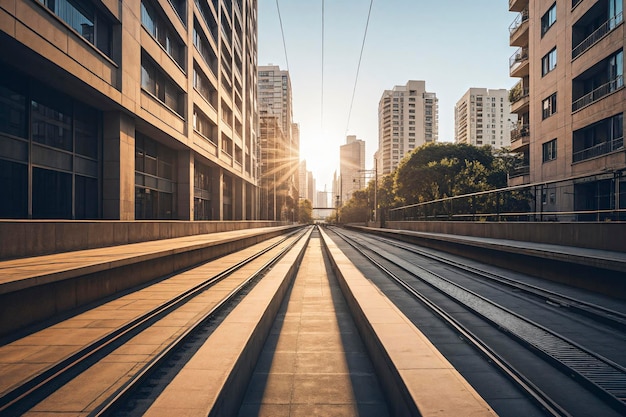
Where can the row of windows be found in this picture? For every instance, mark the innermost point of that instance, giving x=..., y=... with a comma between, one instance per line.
x=157, y=83
x=164, y=34
x=50, y=143
x=85, y=19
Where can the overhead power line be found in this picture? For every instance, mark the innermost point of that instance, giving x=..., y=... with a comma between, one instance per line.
x=322, y=99
x=359, y=64
x=283, y=34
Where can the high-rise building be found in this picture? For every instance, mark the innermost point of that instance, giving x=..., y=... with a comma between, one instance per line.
x=408, y=117
x=279, y=138
x=128, y=110
x=482, y=117
x=307, y=183
x=570, y=101
x=351, y=167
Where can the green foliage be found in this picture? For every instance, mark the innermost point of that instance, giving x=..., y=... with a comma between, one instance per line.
x=357, y=209
x=440, y=170
x=305, y=212
x=436, y=171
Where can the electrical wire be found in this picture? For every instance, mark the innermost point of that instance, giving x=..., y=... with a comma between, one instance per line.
x=359, y=65
x=283, y=34
x=322, y=99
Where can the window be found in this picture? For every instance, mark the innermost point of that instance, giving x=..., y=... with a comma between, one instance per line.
x=12, y=110
x=599, y=138
x=203, y=125
x=548, y=62
x=162, y=33
x=155, y=187
x=84, y=19
x=204, y=48
x=202, y=191
x=548, y=19
x=549, y=150
x=160, y=86
x=204, y=86
x=548, y=106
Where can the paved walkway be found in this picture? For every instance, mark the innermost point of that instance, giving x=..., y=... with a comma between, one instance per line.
x=314, y=362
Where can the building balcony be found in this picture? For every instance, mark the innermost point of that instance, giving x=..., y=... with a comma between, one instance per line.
x=520, y=133
x=518, y=5
x=519, y=171
x=519, y=98
x=518, y=30
x=518, y=63
x=579, y=31
x=596, y=94
x=600, y=138
x=599, y=149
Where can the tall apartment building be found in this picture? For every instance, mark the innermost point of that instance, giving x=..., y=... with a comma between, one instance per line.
x=570, y=101
x=279, y=138
x=128, y=110
x=482, y=117
x=408, y=117
x=351, y=167
x=307, y=183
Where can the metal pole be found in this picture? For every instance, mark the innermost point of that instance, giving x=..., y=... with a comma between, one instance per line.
x=375, y=190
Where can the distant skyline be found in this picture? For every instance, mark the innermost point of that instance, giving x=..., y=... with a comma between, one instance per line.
x=452, y=45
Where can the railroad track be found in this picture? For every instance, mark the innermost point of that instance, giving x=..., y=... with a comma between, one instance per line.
x=604, y=377
x=611, y=317
x=29, y=392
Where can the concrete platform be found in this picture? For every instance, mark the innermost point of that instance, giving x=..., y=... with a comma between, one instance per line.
x=596, y=270
x=416, y=378
x=37, y=288
x=215, y=379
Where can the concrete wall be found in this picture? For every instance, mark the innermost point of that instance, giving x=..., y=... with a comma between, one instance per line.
x=20, y=239
x=606, y=236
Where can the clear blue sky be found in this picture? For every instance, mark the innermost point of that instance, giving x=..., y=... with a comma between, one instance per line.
x=451, y=44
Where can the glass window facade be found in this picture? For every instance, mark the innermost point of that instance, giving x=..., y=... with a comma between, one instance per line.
x=202, y=192
x=155, y=187
x=154, y=81
x=50, y=152
x=83, y=17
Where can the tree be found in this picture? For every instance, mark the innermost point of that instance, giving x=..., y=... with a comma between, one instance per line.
x=357, y=209
x=305, y=212
x=432, y=170
x=440, y=170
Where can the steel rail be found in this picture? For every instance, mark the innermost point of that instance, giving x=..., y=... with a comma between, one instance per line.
x=117, y=399
x=33, y=390
x=595, y=311
x=527, y=386
x=605, y=377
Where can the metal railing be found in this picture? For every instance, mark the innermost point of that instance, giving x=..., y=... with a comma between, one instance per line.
x=518, y=95
x=521, y=18
x=547, y=201
x=599, y=149
x=520, y=132
x=520, y=55
x=598, y=34
x=595, y=95
x=519, y=171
